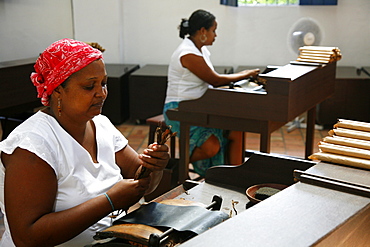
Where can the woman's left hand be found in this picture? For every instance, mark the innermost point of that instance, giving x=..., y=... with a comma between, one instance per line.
x=155, y=157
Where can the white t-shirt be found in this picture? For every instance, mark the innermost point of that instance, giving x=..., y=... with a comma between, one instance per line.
x=79, y=178
x=183, y=84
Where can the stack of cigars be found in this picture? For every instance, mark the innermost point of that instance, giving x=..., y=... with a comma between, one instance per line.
x=319, y=54
x=348, y=143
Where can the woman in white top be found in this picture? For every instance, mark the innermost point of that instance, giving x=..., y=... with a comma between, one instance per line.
x=66, y=168
x=190, y=73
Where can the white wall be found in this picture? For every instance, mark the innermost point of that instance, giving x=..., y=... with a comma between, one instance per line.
x=145, y=31
x=102, y=21
x=28, y=27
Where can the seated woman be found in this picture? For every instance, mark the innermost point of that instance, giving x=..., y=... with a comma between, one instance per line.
x=66, y=168
x=190, y=73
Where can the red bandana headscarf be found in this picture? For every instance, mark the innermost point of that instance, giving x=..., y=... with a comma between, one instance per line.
x=60, y=60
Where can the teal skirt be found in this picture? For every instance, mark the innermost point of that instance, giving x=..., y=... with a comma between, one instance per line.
x=198, y=135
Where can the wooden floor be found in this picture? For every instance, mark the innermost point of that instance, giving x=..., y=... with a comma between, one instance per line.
x=286, y=140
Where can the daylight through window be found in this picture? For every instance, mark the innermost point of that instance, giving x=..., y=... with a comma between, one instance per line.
x=267, y=2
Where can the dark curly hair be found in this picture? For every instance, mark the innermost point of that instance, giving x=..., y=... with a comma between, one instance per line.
x=198, y=19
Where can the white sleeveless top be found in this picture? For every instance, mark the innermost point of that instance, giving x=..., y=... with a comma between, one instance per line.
x=182, y=83
x=79, y=178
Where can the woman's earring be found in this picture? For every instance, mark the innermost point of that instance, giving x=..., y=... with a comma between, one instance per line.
x=59, y=108
x=203, y=38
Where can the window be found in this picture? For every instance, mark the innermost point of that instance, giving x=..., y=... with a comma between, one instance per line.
x=267, y=2
x=318, y=2
x=284, y=2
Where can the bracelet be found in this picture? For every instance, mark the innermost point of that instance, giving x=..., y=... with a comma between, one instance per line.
x=110, y=201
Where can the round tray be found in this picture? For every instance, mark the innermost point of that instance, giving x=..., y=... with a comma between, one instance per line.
x=251, y=191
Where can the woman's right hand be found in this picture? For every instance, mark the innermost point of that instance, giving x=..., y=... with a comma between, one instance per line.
x=127, y=192
x=250, y=73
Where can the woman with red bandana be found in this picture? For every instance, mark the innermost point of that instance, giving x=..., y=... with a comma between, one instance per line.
x=66, y=168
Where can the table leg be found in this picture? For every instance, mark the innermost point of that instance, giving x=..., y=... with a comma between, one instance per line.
x=310, y=131
x=243, y=146
x=184, y=152
x=265, y=140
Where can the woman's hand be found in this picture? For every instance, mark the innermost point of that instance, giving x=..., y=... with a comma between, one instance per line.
x=127, y=192
x=250, y=73
x=155, y=157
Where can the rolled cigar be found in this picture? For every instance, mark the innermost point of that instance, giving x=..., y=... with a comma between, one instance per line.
x=351, y=124
x=340, y=159
x=356, y=134
x=328, y=53
x=319, y=48
x=318, y=55
x=350, y=142
x=312, y=60
x=344, y=150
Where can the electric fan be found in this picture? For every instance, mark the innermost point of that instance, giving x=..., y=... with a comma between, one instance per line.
x=305, y=32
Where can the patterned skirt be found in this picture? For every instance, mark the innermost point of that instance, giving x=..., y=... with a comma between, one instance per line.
x=198, y=135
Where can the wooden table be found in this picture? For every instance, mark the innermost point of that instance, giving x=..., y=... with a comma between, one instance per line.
x=17, y=93
x=306, y=213
x=290, y=91
x=117, y=105
x=18, y=96
x=350, y=99
x=310, y=212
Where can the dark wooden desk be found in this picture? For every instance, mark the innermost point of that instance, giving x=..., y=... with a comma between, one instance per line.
x=17, y=93
x=117, y=105
x=231, y=182
x=306, y=213
x=18, y=96
x=290, y=91
x=303, y=214
x=350, y=99
x=147, y=91
x=148, y=87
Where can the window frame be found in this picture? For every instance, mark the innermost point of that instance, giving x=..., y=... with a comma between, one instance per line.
x=298, y=3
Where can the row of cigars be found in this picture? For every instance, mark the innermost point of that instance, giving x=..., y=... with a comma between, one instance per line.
x=348, y=143
x=319, y=54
